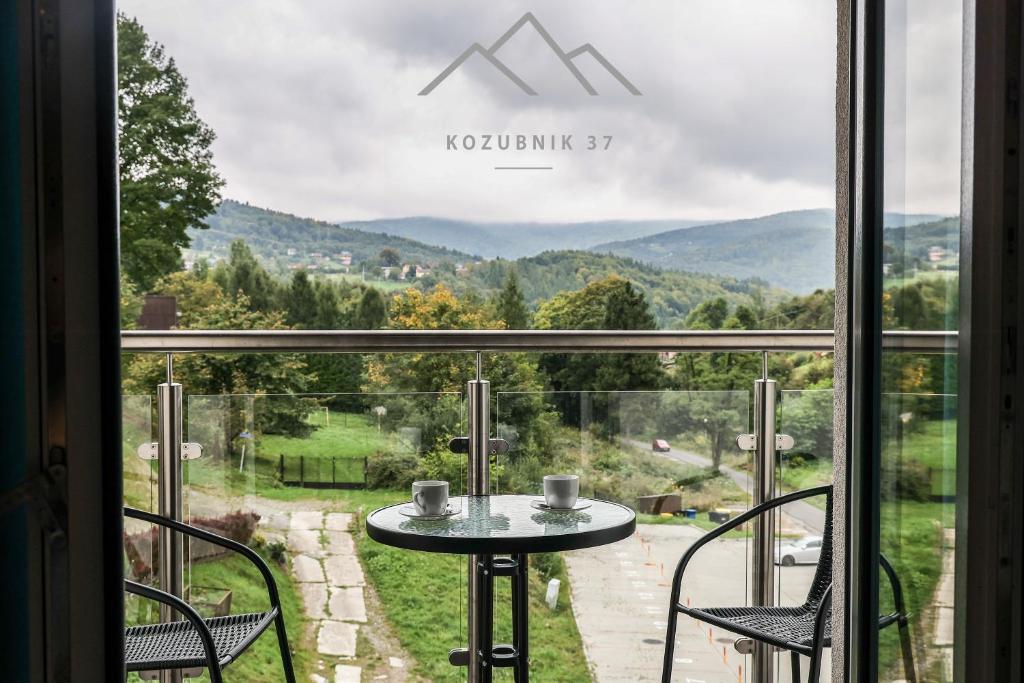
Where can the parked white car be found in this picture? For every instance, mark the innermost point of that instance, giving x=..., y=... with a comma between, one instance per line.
x=805, y=551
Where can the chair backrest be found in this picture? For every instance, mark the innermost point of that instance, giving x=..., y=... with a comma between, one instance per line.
x=823, y=572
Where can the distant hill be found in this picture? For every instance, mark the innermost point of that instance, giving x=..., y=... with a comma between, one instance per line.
x=916, y=240
x=794, y=250
x=270, y=234
x=672, y=294
x=515, y=240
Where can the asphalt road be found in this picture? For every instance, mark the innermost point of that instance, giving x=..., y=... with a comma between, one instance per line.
x=808, y=516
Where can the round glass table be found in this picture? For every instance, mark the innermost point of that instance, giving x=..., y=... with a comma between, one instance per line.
x=485, y=526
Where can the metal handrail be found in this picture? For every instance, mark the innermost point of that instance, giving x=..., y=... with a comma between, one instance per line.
x=565, y=341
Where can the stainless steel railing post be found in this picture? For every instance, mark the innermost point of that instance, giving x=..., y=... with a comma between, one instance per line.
x=763, y=561
x=169, y=486
x=478, y=400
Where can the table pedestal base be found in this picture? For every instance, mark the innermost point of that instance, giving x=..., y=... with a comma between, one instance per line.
x=483, y=569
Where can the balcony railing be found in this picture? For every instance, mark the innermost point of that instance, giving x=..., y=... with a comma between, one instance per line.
x=762, y=442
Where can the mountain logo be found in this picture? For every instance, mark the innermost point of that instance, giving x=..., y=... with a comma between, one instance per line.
x=566, y=57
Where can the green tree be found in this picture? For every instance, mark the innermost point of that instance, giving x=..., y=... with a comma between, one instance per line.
x=300, y=302
x=608, y=303
x=328, y=316
x=389, y=257
x=371, y=312
x=511, y=304
x=205, y=306
x=243, y=274
x=168, y=180
x=709, y=315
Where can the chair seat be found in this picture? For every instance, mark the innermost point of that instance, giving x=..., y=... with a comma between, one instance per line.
x=791, y=628
x=176, y=644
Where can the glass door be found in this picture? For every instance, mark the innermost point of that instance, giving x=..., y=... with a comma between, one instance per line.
x=920, y=264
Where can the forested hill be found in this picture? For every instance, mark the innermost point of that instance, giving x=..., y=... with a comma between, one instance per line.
x=512, y=240
x=672, y=294
x=794, y=250
x=271, y=234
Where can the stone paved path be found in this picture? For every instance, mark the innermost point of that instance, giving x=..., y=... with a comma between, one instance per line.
x=331, y=582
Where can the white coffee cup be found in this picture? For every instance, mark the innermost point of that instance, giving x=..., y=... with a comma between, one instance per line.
x=430, y=497
x=561, y=490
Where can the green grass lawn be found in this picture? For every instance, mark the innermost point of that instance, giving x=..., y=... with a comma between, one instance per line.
x=386, y=286
x=262, y=661
x=423, y=596
x=912, y=541
x=345, y=438
x=342, y=435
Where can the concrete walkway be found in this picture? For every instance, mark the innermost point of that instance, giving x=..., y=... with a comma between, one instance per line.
x=620, y=596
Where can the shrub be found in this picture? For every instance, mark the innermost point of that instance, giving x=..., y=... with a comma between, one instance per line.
x=392, y=470
x=909, y=480
x=143, y=548
x=548, y=565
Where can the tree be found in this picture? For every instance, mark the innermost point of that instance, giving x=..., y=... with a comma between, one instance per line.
x=371, y=311
x=511, y=304
x=327, y=315
x=168, y=180
x=416, y=375
x=609, y=303
x=243, y=274
x=389, y=257
x=300, y=302
x=237, y=383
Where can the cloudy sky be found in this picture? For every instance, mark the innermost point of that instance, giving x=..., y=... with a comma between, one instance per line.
x=317, y=112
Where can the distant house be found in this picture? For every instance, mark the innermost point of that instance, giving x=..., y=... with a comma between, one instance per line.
x=345, y=258
x=292, y=251
x=158, y=312
x=422, y=271
x=316, y=254
x=405, y=271
x=936, y=254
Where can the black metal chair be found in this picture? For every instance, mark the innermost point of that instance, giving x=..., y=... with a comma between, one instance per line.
x=803, y=630
x=197, y=642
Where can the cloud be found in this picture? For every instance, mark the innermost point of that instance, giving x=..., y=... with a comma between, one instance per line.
x=316, y=109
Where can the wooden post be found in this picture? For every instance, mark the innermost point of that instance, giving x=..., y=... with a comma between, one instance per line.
x=334, y=476
x=302, y=471
x=280, y=466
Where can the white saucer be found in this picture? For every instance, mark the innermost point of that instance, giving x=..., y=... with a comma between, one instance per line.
x=539, y=504
x=409, y=510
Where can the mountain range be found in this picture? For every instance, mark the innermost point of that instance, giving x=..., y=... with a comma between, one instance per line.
x=794, y=250
x=271, y=234
x=514, y=240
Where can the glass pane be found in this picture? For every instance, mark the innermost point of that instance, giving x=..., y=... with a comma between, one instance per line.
x=292, y=475
x=670, y=455
x=920, y=281
x=139, y=482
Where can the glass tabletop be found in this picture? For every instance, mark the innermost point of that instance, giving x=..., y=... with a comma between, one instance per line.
x=504, y=524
